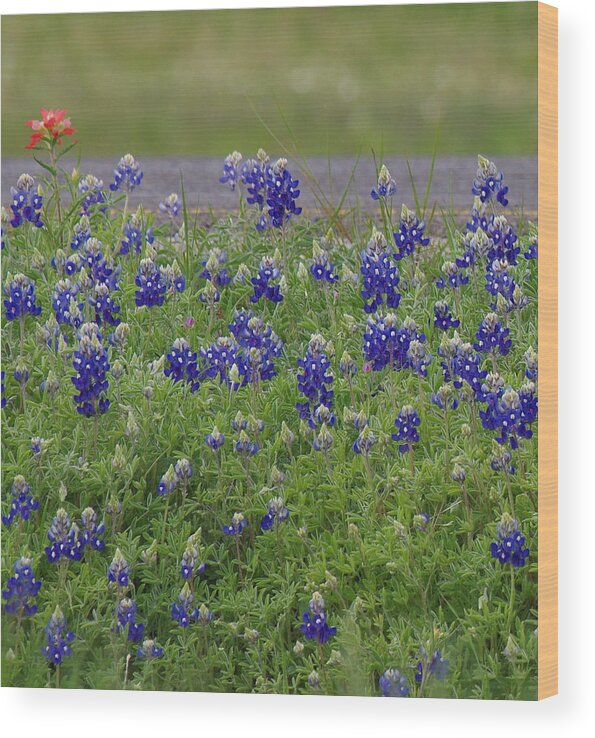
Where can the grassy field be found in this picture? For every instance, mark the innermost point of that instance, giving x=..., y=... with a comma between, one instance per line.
x=343, y=80
x=398, y=544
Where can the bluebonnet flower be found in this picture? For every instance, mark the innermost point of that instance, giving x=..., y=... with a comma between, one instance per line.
x=255, y=173
x=215, y=439
x=3, y=376
x=168, y=482
x=281, y=194
x=421, y=521
x=410, y=234
x=452, y=277
x=106, y=310
x=359, y=419
x=183, y=611
x=210, y=295
x=224, y=360
x=380, y=275
x=490, y=393
x=65, y=305
x=531, y=252
x=323, y=414
x=435, y=666
x=237, y=525
x=204, y=615
x=183, y=471
x=277, y=513
x=516, y=301
x=183, y=364
x=315, y=379
x=21, y=373
x=445, y=398
x=507, y=417
x=502, y=461
x=531, y=364
x=458, y=474
x=230, y=169
x=127, y=175
x=322, y=269
x=21, y=589
x=492, y=337
x=81, y=234
x=266, y=283
x=502, y=240
x=469, y=256
x=27, y=202
x=314, y=679
x=118, y=572
x=468, y=363
x=134, y=236
x=488, y=182
x=449, y=351
x=528, y=408
x=314, y=625
x=171, y=206
x=22, y=503
x=20, y=301
x=260, y=346
x=250, y=423
x=514, y=413
x=63, y=536
x=50, y=335
x=91, y=365
x=407, y=424
x=214, y=271
x=443, y=318
x=92, y=189
x=347, y=366
x=385, y=343
x=365, y=441
x=92, y=532
x=418, y=358
x=478, y=219
x=39, y=445
x=386, y=186
x=188, y=564
x=499, y=280
x=119, y=338
x=151, y=287
x=126, y=618
x=58, y=638
x=509, y=548
x=99, y=269
x=393, y=684
x=149, y=650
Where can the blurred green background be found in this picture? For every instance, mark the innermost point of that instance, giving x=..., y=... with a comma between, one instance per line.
x=342, y=79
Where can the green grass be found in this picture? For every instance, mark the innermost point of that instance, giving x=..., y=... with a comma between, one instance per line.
x=344, y=79
x=389, y=587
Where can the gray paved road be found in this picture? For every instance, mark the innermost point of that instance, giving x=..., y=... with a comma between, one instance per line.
x=450, y=185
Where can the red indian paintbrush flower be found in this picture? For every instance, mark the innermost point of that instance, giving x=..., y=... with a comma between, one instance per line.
x=53, y=125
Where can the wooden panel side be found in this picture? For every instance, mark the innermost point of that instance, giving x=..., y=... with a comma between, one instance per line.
x=547, y=70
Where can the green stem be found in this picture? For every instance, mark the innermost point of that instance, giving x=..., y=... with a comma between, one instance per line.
x=511, y=601
x=165, y=518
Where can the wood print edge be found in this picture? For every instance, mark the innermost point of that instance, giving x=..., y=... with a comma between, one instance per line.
x=547, y=125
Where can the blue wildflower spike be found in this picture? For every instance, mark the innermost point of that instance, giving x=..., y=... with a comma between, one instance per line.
x=58, y=638
x=315, y=625
x=509, y=548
